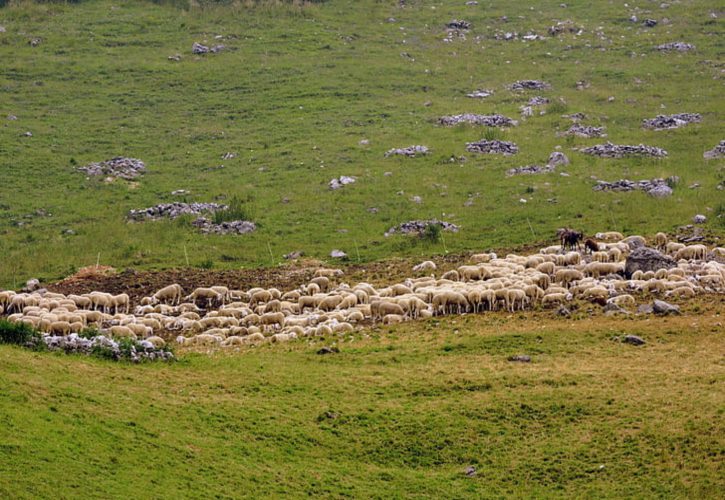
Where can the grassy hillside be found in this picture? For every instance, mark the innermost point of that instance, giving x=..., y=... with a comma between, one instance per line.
x=400, y=414
x=296, y=92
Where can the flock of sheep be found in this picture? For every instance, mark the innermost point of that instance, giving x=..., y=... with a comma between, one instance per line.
x=325, y=306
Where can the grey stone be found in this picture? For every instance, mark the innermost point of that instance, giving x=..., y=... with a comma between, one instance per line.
x=174, y=210
x=470, y=471
x=338, y=254
x=653, y=187
x=563, y=311
x=716, y=152
x=473, y=119
x=418, y=226
x=199, y=49
x=665, y=122
x=32, y=285
x=529, y=85
x=610, y=150
x=634, y=340
x=530, y=169
x=579, y=130
x=677, y=46
x=557, y=158
x=505, y=148
x=294, y=255
x=699, y=219
x=328, y=350
x=459, y=24
x=410, y=151
x=341, y=181
x=480, y=94
x=661, y=307
x=227, y=227
x=521, y=358
x=661, y=191
x=121, y=167
x=647, y=259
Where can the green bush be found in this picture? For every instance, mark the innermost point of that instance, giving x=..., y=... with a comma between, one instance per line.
x=16, y=333
x=431, y=233
x=237, y=211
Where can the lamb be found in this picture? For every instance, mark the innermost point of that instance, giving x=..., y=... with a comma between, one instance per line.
x=660, y=241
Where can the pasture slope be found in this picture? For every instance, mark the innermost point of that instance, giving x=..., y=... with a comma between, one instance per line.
x=428, y=409
x=296, y=91
x=402, y=413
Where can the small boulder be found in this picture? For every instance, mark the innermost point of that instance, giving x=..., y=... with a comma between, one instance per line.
x=633, y=339
x=699, y=219
x=660, y=191
x=558, y=158
x=31, y=285
x=328, y=350
x=645, y=309
x=663, y=308
x=470, y=471
x=520, y=358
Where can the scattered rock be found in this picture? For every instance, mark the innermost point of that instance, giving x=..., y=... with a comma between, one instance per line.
x=480, y=94
x=12, y=118
x=294, y=255
x=228, y=227
x=410, y=151
x=174, y=210
x=699, y=219
x=28, y=134
x=521, y=358
x=677, y=46
x=663, y=308
x=585, y=131
x=328, y=350
x=650, y=23
x=198, y=49
x=610, y=150
x=716, y=152
x=485, y=120
x=660, y=191
x=138, y=351
x=665, y=122
x=229, y=156
x=529, y=85
x=338, y=254
x=557, y=158
x=175, y=57
x=530, y=169
x=470, y=471
x=493, y=147
x=610, y=309
x=647, y=259
x=418, y=226
x=341, y=181
x=633, y=340
x=538, y=101
x=459, y=24
x=417, y=199
x=179, y=192
x=35, y=42
x=120, y=167
x=575, y=117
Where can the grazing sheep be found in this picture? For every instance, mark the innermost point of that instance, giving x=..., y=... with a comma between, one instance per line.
x=392, y=319
x=425, y=266
x=610, y=236
x=157, y=342
x=122, y=332
x=169, y=294
x=660, y=241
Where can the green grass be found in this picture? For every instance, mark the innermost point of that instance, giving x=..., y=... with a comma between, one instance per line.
x=298, y=90
x=398, y=415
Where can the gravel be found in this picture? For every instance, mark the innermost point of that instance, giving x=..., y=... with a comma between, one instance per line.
x=418, y=226
x=665, y=122
x=121, y=167
x=493, y=147
x=610, y=150
x=174, y=210
x=486, y=120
